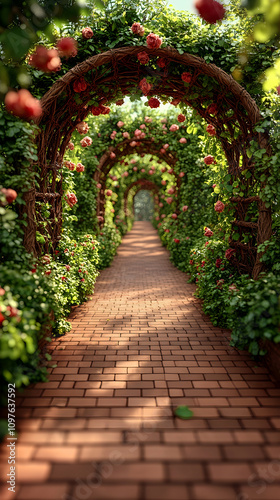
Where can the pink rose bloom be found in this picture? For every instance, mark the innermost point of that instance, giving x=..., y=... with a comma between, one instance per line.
x=126, y=135
x=233, y=288
x=145, y=86
x=219, y=206
x=181, y=174
x=70, y=146
x=120, y=124
x=183, y=140
x=162, y=151
x=143, y=135
x=167, y=230
x=157, y=217
x=163, y=170
x=153, y=103
x=153, y=41
x=163, y=183
x=166, y=146
x=151, y=172
x=164, y=127
x=169, y=200
x=133, y=144
x=135, y=169
x=137, y=132
x=163, y=216
x=112, y=210
x=186, y=77
x=86, y=141
x=82, y=128
x=112, y=155
x=164, y=132
x=80, y=167
x=100, y=218
x=171, y=190
x=125, y=174
x=143, y=170
x=98, y=185
x=87, y=33
x=211, y=130
x=109, y=192
x=137, y=29
x=181, y=118
x=214, y=185
x=185, y=208
x=71, y=199
x=67, y=47
x=174, y=128
x=147, y=119
x=143, y=57
x=132, y=161
x=113, y=135
x=209, y=159
x=170, y=171
x=143, y=126
x=160, y=205
x=208, y=232
x=174, y=216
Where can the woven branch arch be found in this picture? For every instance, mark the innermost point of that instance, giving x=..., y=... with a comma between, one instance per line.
x=119, y=72
x=121, y=150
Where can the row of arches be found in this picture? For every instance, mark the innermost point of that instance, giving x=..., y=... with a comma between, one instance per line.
x=119, y=71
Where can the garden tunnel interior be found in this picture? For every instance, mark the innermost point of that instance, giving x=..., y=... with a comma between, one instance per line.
x=119, y=71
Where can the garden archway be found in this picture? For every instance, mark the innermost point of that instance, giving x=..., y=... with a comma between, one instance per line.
x=122, y=149
x=141, y=184
x=120, y=73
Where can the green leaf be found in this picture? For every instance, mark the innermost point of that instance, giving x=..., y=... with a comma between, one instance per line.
x=183, y=412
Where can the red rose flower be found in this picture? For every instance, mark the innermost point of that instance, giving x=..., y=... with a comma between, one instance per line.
x=80, y=85
x=87, y=33
x=181, y=118
x=145, y=86
x=218, y=262
x=45, y=60
x=154, y=103
x=219, y=206
x=143, y=57
x=210, y=10
x=208, y=160
x=176, y=240
x=137, y=29
x=10, y=194
x=67, y=47
x=161, y=62
x=23, y=104
x=208, y=232
x=153, y=41
x=211, y=130
x=229, y=253
x=212, y=109
x=186, y=77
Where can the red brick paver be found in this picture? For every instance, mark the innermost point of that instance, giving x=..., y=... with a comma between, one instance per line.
x=103, y=428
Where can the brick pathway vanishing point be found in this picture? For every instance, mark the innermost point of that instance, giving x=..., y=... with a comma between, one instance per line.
x=102, y=428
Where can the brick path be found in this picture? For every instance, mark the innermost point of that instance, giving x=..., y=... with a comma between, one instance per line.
x=102, y=428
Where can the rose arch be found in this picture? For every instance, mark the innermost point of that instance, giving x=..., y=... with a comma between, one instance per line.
x=121, y=150
x=141, y=184
x=115, y=73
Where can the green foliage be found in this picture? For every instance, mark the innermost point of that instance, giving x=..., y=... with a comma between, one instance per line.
x=109, y=240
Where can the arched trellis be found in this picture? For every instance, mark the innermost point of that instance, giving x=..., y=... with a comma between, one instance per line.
x=237, y=114
x=121, y=150
x=141, y=184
